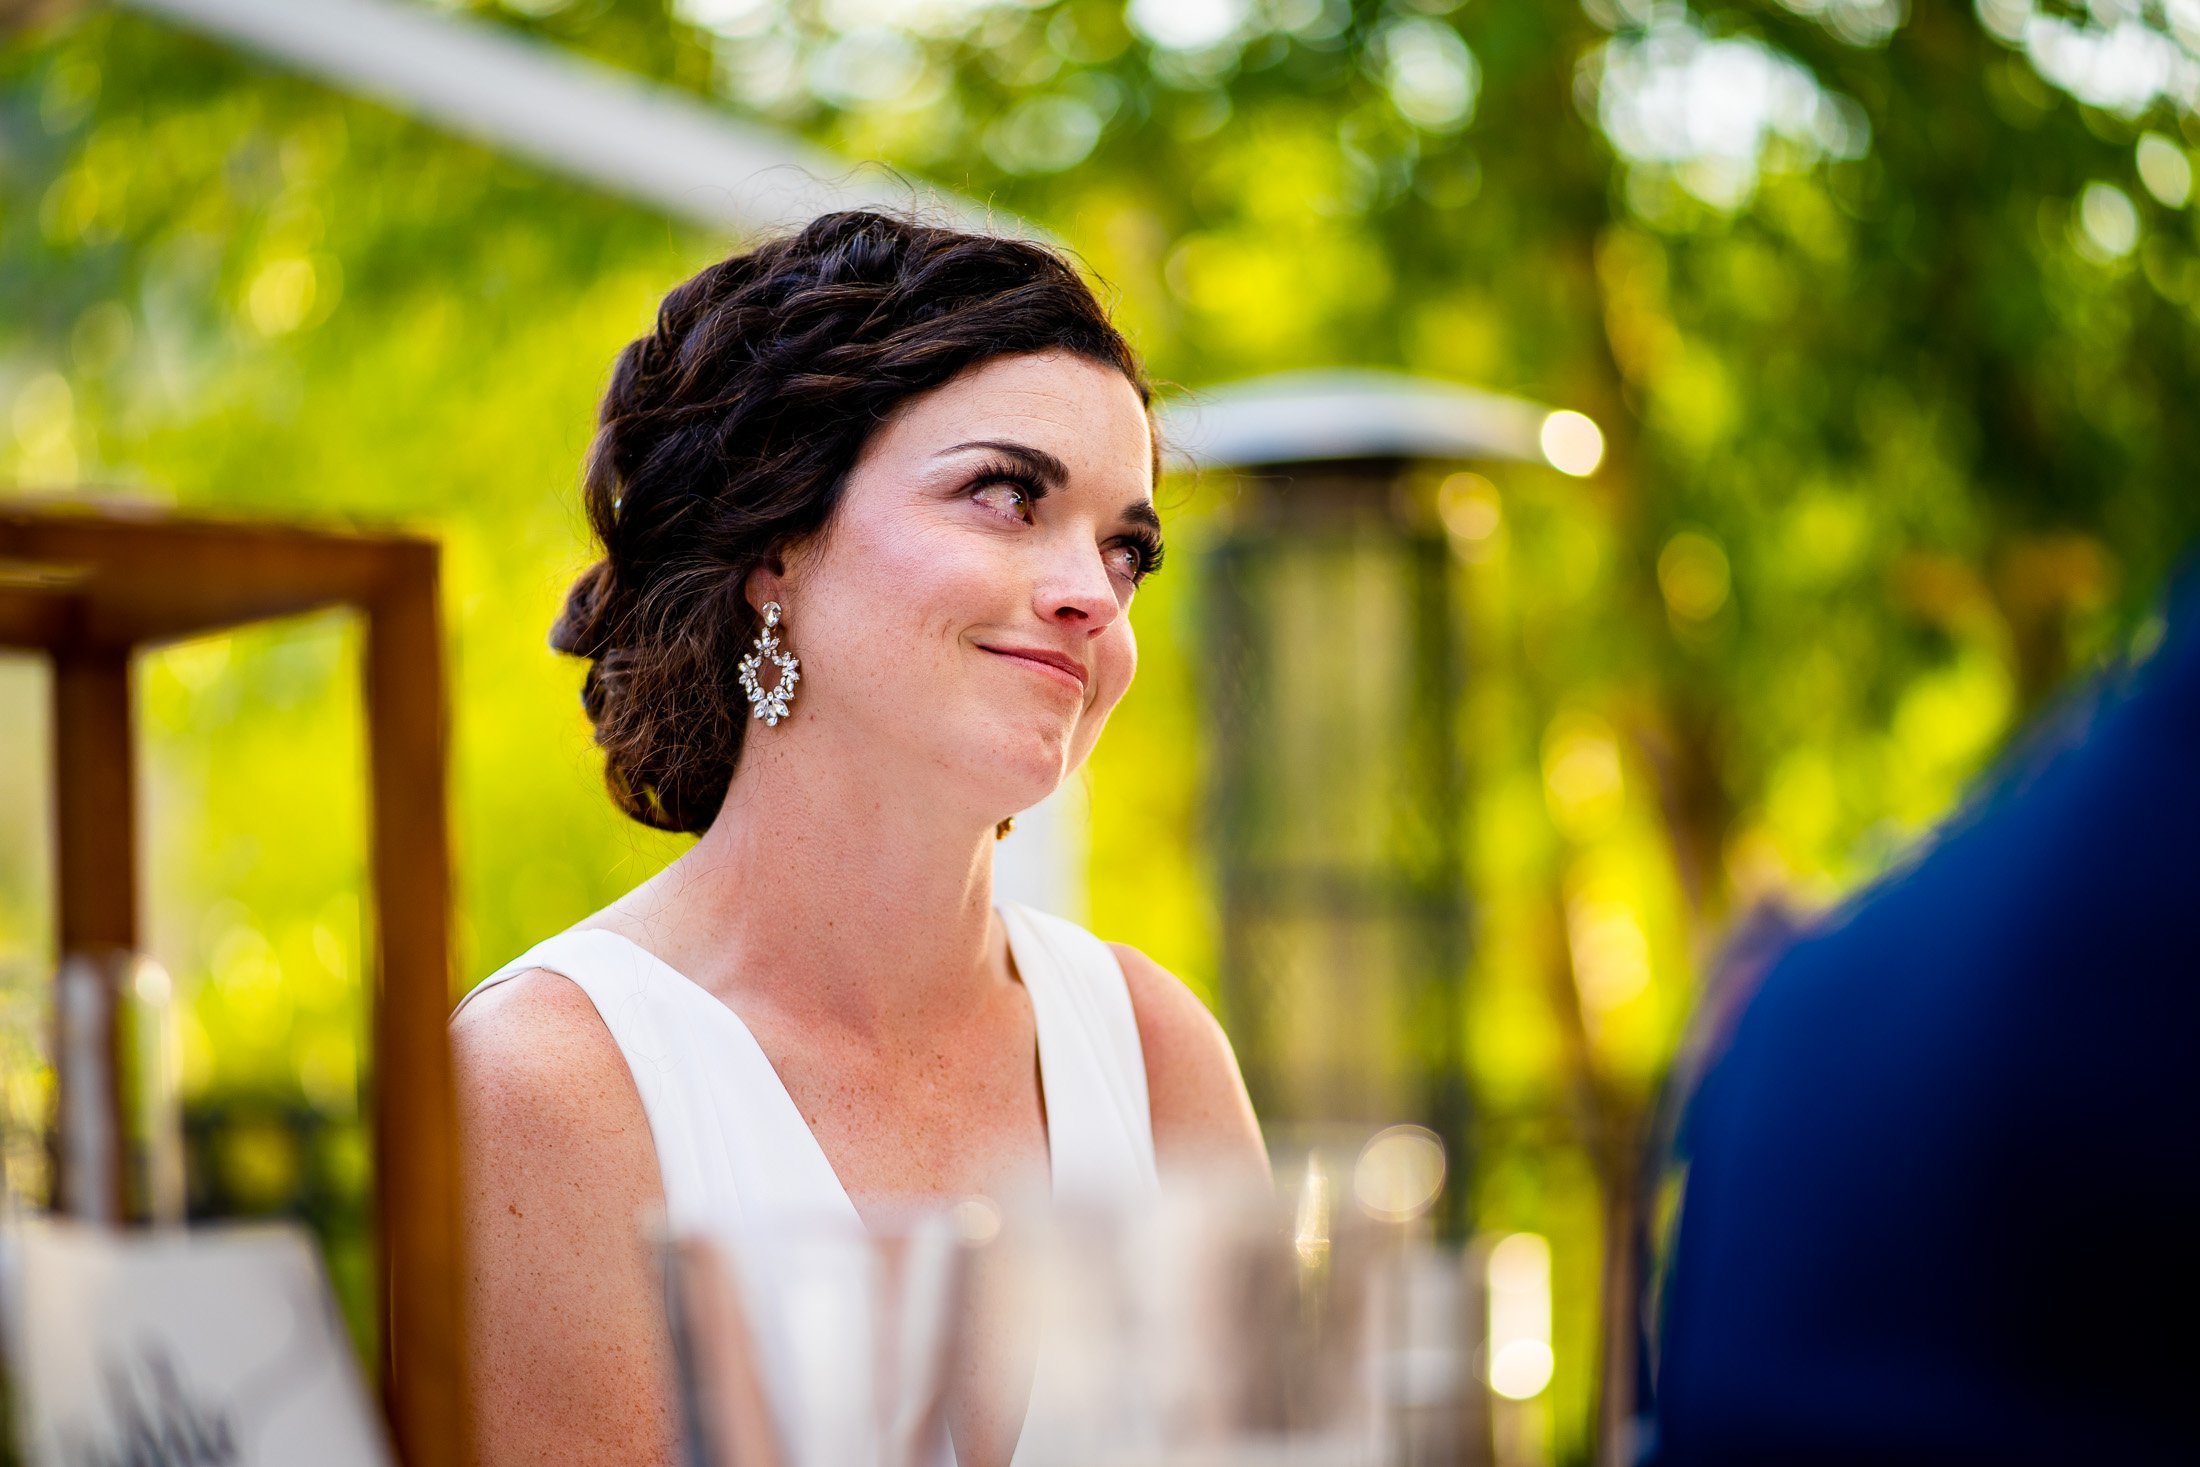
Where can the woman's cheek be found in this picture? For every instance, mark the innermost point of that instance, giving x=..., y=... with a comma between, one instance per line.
x=926, y=586
x=1115, y=666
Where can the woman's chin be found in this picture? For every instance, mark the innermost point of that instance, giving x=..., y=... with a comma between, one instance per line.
x=1023, y=771
x=1013, y=798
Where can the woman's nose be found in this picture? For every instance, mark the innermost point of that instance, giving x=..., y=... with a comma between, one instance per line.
x=1076, y=590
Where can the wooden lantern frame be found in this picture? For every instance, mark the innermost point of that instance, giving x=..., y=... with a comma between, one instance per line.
x=88, y=585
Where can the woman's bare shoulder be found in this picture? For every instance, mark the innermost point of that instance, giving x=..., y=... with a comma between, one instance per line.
x=535, y=1038
x=560, y=1173
x=1197, y=1096
x=540, y=1080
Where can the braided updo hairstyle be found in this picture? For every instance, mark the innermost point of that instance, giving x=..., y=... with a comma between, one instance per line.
x=725, y=438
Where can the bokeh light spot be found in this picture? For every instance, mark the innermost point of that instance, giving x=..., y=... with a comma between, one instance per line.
x=975, y=1220
x=1432, y=77
x=1399, y=1173
x=1521, y=1369
x=1610, y=953
x=1187, y=25
x=1043, y=135
x=280, y=296
x=1694, y=576
x=2108, y=223
x=2165, y=170
x=1519, y=1279
x=1572, y=443
x=1583, y=783
x=1470, y=506
x=44, y=419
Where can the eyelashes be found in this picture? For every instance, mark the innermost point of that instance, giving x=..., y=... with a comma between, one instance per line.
x=1142, y=540
x=1001, y=471
x=1150, y=551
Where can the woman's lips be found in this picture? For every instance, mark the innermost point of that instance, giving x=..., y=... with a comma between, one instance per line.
x=1058, y=665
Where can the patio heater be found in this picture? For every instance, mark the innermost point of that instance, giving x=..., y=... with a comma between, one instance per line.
x=1332, y=668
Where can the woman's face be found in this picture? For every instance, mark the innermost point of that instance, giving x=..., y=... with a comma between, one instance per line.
x=964, y=619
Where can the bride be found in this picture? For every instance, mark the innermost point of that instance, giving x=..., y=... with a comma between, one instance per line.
x=875, y=500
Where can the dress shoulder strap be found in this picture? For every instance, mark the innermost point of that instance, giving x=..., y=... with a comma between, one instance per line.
x=1092, y=1065
x=619, y=978
x=567, y=954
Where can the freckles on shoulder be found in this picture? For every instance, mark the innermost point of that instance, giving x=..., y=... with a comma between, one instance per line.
x=541, y=1085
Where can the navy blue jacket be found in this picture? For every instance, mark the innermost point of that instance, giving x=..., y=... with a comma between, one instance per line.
x=1942, y=1186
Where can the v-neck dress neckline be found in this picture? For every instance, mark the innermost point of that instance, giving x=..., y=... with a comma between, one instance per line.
x=812, y=1173
x=731, y=1143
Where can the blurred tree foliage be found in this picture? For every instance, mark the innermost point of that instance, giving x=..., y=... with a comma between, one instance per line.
x=1888, y=317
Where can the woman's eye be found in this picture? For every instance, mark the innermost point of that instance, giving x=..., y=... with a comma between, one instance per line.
x=1127, y=561
x=1008, y=499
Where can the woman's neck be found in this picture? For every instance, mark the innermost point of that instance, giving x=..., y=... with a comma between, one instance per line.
x=849, y=899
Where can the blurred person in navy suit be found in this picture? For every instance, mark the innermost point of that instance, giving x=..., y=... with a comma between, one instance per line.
x=1939, y=1181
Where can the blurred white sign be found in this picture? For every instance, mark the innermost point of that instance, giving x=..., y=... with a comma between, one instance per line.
x=209, y=1348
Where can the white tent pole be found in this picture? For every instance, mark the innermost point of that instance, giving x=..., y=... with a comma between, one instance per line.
x=622, y=133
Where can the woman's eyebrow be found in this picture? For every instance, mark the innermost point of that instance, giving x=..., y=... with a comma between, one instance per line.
x=1142, y=513
x=1043, y=466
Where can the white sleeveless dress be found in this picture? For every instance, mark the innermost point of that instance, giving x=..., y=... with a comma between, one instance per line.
x=735, y=1154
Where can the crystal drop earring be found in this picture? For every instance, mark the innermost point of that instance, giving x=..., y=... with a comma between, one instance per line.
x=769, y=704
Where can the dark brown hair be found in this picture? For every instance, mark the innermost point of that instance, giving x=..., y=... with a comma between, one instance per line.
x=725, y=437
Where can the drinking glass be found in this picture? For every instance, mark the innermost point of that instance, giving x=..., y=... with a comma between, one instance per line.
x=821, y=1342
